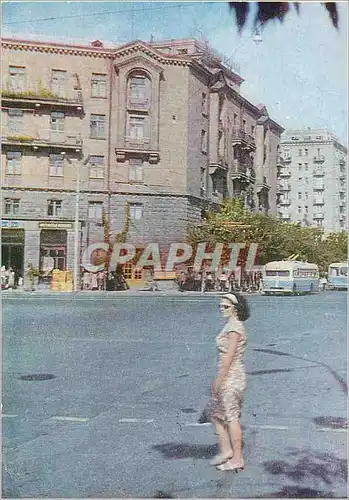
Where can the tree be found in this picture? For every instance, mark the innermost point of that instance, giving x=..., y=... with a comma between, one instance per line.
x=269, y=11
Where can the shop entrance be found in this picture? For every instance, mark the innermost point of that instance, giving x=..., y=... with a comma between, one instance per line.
x=53, y=252
x=12, y=251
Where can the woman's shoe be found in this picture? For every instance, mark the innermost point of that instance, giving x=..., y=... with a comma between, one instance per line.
x=221, y=458
x=231, y=466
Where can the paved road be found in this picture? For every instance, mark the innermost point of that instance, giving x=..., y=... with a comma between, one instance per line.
x=129, y=378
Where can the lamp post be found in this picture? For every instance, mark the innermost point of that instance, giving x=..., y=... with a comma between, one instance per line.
x=76, y=266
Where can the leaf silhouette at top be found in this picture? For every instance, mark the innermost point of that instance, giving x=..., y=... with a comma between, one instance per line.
x=268, y=11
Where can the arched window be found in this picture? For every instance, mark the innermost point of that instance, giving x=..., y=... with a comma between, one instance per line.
x=139, y=90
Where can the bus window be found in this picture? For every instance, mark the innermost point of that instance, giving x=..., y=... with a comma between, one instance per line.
x=344, y=271
x=334, y=271
x=277, y=273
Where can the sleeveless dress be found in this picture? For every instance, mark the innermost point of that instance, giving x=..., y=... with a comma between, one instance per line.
x=226, y=406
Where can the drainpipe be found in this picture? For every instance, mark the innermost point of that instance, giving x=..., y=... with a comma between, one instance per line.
x=109, y=135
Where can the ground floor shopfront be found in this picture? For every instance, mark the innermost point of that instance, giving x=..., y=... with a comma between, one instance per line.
x=46, y=245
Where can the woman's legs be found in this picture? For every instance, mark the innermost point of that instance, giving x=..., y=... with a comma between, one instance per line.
x=235, y=437
x=224, y=439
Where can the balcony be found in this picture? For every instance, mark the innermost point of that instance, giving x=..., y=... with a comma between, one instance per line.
x=342, y=189
x=285, y=172
x=141, y=143
x=342, y=162
x=285, y=187
x=285, y=202
x=342, y=217
x=279, y=161
x=138, y=103
x=43, y=139
x=239, y=136
x=43, y=97
x=342, y=174
x=242, y=172
x=319, y=172
x=318, y=216
x=287, y=160
x=319, y=159
x=285, y=216
x=318, y=201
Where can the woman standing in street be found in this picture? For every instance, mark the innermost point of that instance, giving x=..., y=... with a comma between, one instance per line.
x=230, y=383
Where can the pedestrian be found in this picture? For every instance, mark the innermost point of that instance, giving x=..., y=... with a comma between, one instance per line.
x=223, y=282
x=230, y=383
x=323, y=283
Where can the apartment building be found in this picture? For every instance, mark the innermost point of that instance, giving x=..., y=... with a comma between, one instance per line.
x=160, y=125
x=312, y=179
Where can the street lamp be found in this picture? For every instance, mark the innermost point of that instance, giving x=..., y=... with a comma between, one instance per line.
x=76, y=224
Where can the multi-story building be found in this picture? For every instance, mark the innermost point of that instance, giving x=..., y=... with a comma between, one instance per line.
x=162, y=126
x=312, y=179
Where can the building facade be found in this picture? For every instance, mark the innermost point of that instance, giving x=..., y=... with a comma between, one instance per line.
x=312, y=179
x=160, y=125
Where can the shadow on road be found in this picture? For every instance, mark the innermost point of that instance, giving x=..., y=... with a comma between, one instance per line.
x=306, y=466
x=297, y=492
x=184, y=450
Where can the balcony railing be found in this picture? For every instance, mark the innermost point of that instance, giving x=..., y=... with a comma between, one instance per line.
x=285, y=187
x=342, y=162
x=137, y=143
x=240, y=171
x=342, y=189
x=138, y=103
x=287, y=159
x=239, y=135
x=318, y=201
x=285, y=215
x=319, y=172
x=73, y=97
x=319, y=159
x=285, y=172
x=285, y=202
x=319, y=215
x=41, y=138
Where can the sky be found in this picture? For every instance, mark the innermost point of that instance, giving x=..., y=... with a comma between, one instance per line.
x=299, y=71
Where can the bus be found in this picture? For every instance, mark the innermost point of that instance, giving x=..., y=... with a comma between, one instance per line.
x=290, y=277
x=338, y=276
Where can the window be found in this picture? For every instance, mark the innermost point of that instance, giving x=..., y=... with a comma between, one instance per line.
x=182, y=51
x=96, y=164
x=95, y=209
x=244, y=125
x=306, y=166
x=299, y=167
x=294, y=138
x=306, y=195
x=16, y=80
x=204, y=103
x=97, y=126
x=135, y=170
x=299, y=209
x=15, y=120
x=137, y=128
x=253, y=128
x=306, y=152
x=306, y=209
x=56, y=165
x=306, y=180
x=235, y=119
x=13, y=163
x=299, y=178
x=11, y=206
x=203, y=141
x=307, y=137
x=136, y=211
x=58, y=82
x=277, y=273
x=139, y=89
x=299, y=152
x=57, y=123
x=299, y=196
x=98, y=85
x=319, y=137
x=54, y=208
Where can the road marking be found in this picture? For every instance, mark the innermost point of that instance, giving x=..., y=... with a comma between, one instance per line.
x=197, y=424
x=271, y=427
x=70, y=419
x=328, y=429
x=8, y=415
x=135, y=421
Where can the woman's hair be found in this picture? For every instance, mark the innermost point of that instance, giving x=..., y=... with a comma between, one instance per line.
x=242, y=308
x=240, y=304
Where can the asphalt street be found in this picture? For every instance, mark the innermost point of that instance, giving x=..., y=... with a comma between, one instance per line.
x=101, y=397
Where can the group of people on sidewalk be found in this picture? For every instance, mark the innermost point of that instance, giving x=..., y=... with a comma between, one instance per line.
x=189, y=280
x=9, y=280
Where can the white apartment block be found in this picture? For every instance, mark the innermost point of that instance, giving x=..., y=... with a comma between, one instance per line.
x=312, y=179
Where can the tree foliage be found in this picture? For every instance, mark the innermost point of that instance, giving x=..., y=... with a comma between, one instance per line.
x=277, y=240
x=269, y=11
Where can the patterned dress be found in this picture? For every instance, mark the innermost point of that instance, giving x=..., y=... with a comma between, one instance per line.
x=226, y=406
